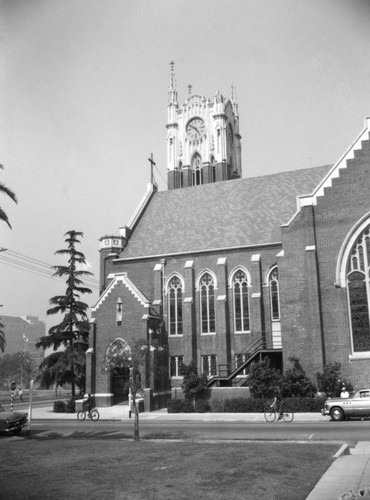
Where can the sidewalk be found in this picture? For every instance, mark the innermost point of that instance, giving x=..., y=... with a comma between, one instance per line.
x=120, y=412
x=349, y=472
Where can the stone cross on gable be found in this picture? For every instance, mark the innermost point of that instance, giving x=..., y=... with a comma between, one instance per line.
x=152, y=164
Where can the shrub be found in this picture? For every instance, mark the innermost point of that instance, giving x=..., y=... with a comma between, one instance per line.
x=202, y=406
x=243, y=405
x=304, y=405
x=192, y=382
x=70, y=406
x=295, y=382
x=180, y=406
x=59, y=407
x=263, y=378
x=217, y=406
x=330, y=381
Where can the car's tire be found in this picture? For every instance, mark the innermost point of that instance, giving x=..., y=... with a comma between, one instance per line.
x=337, y=414
x=17, y=431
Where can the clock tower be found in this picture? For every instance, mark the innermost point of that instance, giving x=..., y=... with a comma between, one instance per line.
x=203, y=140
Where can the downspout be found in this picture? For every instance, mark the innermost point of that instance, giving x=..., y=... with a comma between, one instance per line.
x=319, y=290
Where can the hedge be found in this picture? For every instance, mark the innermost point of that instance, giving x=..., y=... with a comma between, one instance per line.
x=242, y=405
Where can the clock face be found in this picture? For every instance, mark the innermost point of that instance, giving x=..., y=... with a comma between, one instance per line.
x=195, y=129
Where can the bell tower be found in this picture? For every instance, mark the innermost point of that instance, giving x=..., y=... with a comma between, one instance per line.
x=203, y=140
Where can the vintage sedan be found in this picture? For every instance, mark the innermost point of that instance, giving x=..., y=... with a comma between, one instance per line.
x=357, y=405
x=11, y=421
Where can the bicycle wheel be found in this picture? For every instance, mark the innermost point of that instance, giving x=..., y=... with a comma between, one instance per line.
x=94, y=415
x=81, y=415
x=270, y=415
x=288, y=416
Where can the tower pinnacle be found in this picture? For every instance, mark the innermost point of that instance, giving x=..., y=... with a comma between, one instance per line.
x=172, y=91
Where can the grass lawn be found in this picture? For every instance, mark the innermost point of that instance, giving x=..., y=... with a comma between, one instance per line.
x=122, y=469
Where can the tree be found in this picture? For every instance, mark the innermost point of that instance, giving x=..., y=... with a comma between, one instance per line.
x=263, y=379
x=135, y=360
x=2, y=338
x=73, y=331
x=192, y=383
x=330, y=380
x=8, y=192
x=56, y=369
x=19, y=367
x=295, y=382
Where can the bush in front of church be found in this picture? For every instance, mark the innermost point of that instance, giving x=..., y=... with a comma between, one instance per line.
x=59, y=407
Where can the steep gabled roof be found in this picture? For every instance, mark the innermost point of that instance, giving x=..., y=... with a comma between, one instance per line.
x=222, y=215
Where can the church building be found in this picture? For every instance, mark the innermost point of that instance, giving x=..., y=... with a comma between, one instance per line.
x=222, y=269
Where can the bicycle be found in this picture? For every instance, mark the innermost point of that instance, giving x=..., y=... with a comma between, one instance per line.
x=93, y=414
x=271, y=415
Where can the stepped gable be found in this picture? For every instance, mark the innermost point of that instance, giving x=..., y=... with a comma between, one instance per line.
x=222, y=215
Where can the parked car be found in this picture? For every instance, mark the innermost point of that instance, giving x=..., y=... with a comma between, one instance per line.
x=11, y=421
x=357, y=405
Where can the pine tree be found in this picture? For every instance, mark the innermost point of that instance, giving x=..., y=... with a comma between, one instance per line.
x=73, y=331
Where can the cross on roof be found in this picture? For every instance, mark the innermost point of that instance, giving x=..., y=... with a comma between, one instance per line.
x=152, y=164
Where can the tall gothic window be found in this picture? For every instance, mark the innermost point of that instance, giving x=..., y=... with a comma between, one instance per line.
x=241, y=301
x=213, y=169
x=181, y=176
x=274, y=294
x=174, y=293
x=207, y=304
x=197, y=171
x=358, y=279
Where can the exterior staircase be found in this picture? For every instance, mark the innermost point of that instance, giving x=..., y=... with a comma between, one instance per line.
x=226, y=373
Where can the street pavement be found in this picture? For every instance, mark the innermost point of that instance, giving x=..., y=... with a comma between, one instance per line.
x=348, y=478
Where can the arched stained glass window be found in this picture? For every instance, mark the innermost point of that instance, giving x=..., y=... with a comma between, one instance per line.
x=358, y=279
x=241, y=301
x=174, y=293
x=207, y=304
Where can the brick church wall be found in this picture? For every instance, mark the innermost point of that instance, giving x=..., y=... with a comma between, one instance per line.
x=325, y=227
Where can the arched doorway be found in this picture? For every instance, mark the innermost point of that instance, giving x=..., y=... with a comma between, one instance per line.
x=120, y=384
x=117, y=357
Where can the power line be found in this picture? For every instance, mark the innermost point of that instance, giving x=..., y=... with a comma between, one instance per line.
x=35, y=266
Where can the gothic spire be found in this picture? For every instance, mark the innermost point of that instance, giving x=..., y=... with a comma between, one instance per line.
x=234, y=101
x=172, y=90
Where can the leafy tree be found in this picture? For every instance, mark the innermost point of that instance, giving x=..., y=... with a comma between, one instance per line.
x=135, y=360
x=55, y=369
x=263, y=379
x=10, y=194
x=73, y=331
x=19, y=367
x=330, y=380
x=192, y=383
x=2, y=338
x=295, y=382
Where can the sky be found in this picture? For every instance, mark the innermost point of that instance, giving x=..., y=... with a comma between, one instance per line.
x=83, y=105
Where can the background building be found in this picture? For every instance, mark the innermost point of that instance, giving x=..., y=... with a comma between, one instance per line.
x=21, y=335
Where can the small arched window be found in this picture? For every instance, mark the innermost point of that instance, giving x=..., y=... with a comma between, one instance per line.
x=197, y=171
x=174, y=293
x=358, y=286
x=241, y=301
x=207, y=304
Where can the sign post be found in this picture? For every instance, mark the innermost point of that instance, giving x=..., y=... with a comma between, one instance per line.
x=30, y=409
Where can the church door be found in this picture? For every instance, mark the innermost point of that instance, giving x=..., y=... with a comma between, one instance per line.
x=120, y=385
